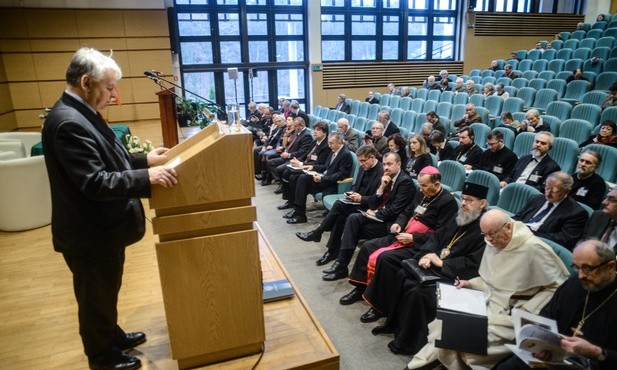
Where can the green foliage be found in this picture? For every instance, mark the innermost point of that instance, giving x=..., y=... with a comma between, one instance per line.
x=195, y=112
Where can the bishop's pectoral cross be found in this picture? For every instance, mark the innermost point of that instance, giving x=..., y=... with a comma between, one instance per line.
x=576, y=331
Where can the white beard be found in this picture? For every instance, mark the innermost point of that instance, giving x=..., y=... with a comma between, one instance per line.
x=465, y=218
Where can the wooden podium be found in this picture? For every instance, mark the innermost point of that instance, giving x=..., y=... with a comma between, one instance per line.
x=208, y=253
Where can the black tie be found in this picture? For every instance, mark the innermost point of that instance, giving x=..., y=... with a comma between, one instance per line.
x=541, y=215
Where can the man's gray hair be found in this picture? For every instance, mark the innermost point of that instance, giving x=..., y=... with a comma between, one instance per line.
x=563, y=177
x=92, y=63
x=294, y=104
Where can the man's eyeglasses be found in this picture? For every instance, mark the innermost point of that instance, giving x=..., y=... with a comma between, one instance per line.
x=549, y=189
x=589, y=269
x=493, y=234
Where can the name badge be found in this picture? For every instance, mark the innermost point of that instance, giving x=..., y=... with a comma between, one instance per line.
x=314, y=157
x=420, y=210
x=463, y=158
x=582, y=192
x=535, y=178
x=497, y=169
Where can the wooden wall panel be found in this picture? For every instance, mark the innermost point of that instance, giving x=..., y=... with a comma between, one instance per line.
x=524, y=24
x=14, y=45
x=139, y=61
x=100, y=23
x=28, y=118
x=25, y=95
x=145, y=43
x=50, y=92
x=19, y=67
x=47, y=23
x=6, y=105
x=141, y=23
x=50, y=66
x=13, y=23
x=104, y=44
x=57, y=45
x=7, y=121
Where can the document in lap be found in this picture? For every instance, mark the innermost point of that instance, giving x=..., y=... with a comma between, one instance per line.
x=464, y=319
x=370, y=216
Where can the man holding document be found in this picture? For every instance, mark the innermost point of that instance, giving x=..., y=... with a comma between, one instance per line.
x=584, y=308
x=518, y=270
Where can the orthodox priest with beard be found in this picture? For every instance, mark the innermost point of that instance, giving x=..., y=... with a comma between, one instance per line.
x=454, y=251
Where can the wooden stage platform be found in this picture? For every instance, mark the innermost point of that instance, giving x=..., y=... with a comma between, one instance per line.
x=39, y=314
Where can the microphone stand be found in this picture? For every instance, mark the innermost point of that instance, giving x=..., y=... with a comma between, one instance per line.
x=159, y=81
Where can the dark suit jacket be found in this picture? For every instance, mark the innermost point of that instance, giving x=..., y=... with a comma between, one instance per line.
x=546, y=166
x=371, y=183
x=302, y=114
x=471, y=155
x=301, y=146
x=275, y=137
x=403, y=192
x=446, y=152
x=563, y=226
x=336, y=170
x=372, y=101
x=320, y=154
x=344, y=107
x=391, y=130
x=597, y=225
x=95, y=183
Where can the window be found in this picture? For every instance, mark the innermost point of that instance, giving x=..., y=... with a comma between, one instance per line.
x=269, y=49
x=388, y=30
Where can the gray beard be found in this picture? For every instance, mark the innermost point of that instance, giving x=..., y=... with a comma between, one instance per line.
x=536, y=153
x=465, y=218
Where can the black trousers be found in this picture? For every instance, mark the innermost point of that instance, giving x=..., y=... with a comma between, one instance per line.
x=358, y=227
x=335, y=222
x=96, y=282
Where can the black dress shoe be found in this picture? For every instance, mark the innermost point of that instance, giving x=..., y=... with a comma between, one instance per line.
x=290, y=214
x=278, y=190
x=299, y=219
x=327, y=257
x=336, y=275
x=311, y=236
x=132, y=340
x=120, y=361
x=370, y=316
x=259, y=177
x=286, y=205
x=382, y=329
x=266, y=182
x=351, y=297
x=335, y=266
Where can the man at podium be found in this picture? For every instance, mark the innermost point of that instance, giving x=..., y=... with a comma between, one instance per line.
x=96, y=212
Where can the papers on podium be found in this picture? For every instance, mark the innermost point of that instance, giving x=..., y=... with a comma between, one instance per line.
x=535, y=334
x=275, y=290
x=464, y=319
x=370, y=216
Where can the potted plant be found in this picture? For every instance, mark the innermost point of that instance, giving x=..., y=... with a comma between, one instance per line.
x=193, y=113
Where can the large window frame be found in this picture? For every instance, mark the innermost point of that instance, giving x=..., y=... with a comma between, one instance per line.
x=383, y=11
x=252, y=67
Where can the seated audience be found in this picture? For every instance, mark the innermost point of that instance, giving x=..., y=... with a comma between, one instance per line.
x=431, y=209
x=396, y=144
x=538, y=46
x=501, y=91
x=444, y=85
x=419, y=156
x=390, y=128
x=509, y=72
x=601, y=18
x=517, y=270
x=607, y=135
x=534, y=123
x=268, y=146
x=393, y=195
x=440, y=147
x=513, y=56
x=489, y=89
x=585, y=331
x=349, y=135
x=433, y=118
x=588, y=187
x=555, y=215
x=494, y=66
x=470, y=89
x=497, y=159
x=459, y=86
x=341, y=104
x=317, y=155
x=393, y=90
x=577, y=74
x=300, y=143
x=377, y=139
x=611, y=98
x=508, y=121
x=443, y=75
x=426, y=130
x=453, y=251
x=366, y=184
x=532, y=169
x=470, y=116
x=405, y=91
x=294, y=106
x=371, y=99
x=602, y=223
x=431, y=83
x=467, y=153
x=336, y=168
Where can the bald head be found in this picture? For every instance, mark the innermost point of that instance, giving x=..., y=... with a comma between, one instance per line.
x=497, y=228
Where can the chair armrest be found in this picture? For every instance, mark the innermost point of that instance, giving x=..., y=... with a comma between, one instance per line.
x=344, y=181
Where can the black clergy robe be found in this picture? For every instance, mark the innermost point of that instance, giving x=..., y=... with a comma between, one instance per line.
x=566, y=307
x=410, y=306
x=439, y=211
x=467, y=154
x=589, y=191
x=499, y=162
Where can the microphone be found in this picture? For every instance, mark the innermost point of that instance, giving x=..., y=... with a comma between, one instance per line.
x=152, y=74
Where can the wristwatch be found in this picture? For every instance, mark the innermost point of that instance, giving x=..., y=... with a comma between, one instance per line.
x=602, y=355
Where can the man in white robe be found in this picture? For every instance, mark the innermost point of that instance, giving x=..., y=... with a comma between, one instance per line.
x=518, y=270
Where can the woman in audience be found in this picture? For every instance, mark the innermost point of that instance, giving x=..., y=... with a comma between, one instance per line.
x=419, y=156
x=501, y=91
x=489, y=89
x=444, y=85
x=396, y=144
x=607, y=135
x=508, y=121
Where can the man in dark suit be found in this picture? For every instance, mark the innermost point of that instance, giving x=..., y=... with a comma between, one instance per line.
x=336, y=168
x=317, y=155
x=341, y=104
x=300, y=143
x=366, y=184
x=394, y=194
x=555, y=215
x=498, y=159
x=349, y=134
x=602, y=223
x=439, y=146
x=389, y=127
x=468, y=153
x=269, y=144
x=532, y=169
x=297, y=112
x=370, y=98
x=96, y=211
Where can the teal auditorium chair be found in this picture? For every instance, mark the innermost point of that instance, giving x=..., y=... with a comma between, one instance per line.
x=588, y=43
x=596, y=66
x=373, y=111
x=557, y=44
x=324, y=113
x=534, y=54
x=383, y=108
x=605, y=80
x=360, y=123
x=493, y=103
x=396, y=116
x=594, y=34
x=537, y=83
x=422, y=93
x=409, y=120
x=417, y=104
x=460, y=98
x=609, y=114
x=480, y=133
x=530, y=75
x=610, y=65
x=556, y=65
x=565, y=53
x=564, y=255
x=395, y=100
x=547, y=75
x=355, y=107
x=405, y=103
x=351, y=118
x=528, y=94
x=477, y=100
x=385, y=99
x=587, y=209
x=430, y=105
x=483, y=112
x=513, y=104
x=490, y=181
x=522, y=143
x=573, y=63
x=363, y=110
x=607, y=169
x=444, y=109
x=452, y=175
x=433, y=95
x=543, y=98
x=525, y=65
x=458, y=110
x=588, y=112
x=343, y=185
x=578, y=130
x=557, y=85
x=520, y=82
x=317, y=111
x=514, y=196
x=446, y=96
x=559, y=109
x=594, y=97
x=549, y=54
x=575, y=91
x=553, y=122
x=601, y=52
x=508, y=136
x=565, y=153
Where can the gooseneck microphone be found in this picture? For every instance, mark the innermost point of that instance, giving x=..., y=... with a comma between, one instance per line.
x=151, y=74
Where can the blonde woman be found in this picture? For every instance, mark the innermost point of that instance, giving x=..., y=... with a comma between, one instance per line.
x=419, y=156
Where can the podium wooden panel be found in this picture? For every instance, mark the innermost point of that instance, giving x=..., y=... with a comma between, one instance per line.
x=208, y=253
x=169, y=117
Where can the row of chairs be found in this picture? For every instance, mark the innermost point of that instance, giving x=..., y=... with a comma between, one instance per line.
x=588, y=48
x=597, y=32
